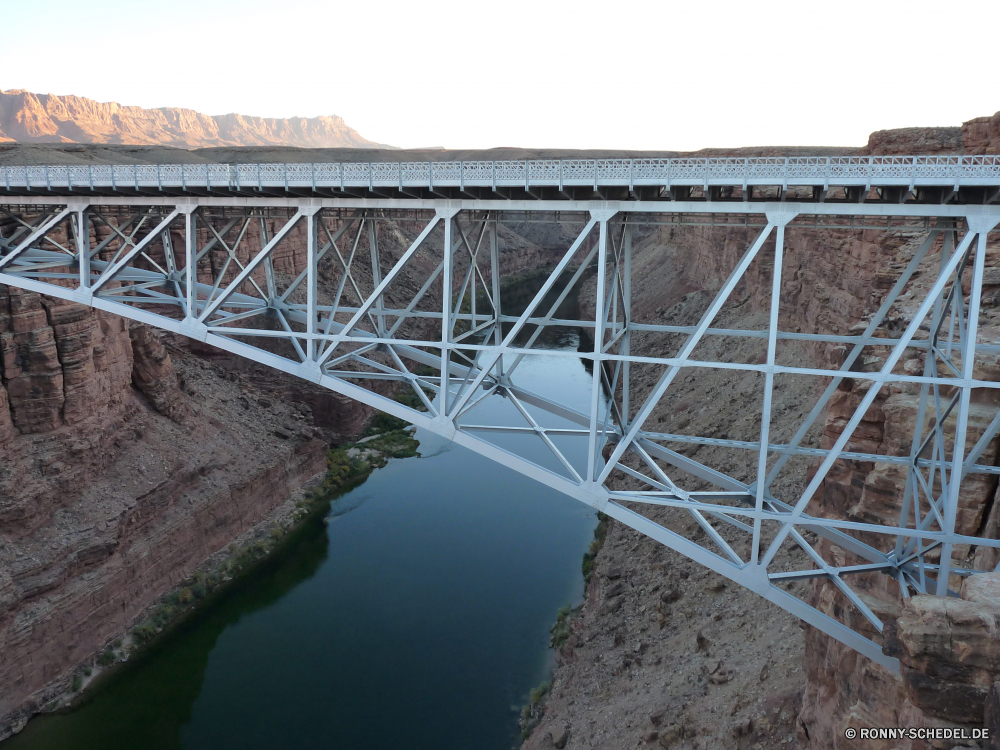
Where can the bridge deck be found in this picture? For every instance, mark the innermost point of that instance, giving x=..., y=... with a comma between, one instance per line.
x=892, y=179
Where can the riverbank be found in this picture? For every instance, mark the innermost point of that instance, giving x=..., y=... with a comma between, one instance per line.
x=533, y=711
x=348, y=465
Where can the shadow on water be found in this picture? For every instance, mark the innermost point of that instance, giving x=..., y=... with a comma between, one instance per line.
x=144, y=704
x=515, y=298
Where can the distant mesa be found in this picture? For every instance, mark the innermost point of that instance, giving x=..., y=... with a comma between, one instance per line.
x=46, y=118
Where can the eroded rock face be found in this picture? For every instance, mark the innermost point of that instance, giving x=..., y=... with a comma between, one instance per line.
x=60, y=362
x=99, y=518
x=982, y=135
x=153, y=372
x=28, y=117
x=948, y=648
x=914, y=141
x=949, y=651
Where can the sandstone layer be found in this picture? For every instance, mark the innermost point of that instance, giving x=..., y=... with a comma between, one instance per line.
x=41, y=118
x=130, y=455
x=720, y=677
x=124, y=467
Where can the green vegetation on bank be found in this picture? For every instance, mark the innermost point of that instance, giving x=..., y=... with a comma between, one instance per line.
x=595, y=546
x=562, y=630
x=533, y=711
x=342, y=470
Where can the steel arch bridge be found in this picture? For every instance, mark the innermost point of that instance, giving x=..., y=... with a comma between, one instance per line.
x=285, y=265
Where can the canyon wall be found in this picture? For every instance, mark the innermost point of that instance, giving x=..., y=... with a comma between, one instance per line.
x=132, y=455
x=115, y=483
x=604, y=692
x=950, y=650
x=46, y=118
x=982, y=135
x=124, y=468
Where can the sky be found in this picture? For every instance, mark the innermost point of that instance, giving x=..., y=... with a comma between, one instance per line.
x=533, y=73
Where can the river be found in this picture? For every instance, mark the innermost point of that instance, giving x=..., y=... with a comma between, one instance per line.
x=415, y=615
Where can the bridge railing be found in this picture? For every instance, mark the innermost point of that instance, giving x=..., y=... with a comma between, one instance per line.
x=870, y=171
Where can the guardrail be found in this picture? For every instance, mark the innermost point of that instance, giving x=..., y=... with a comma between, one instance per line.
x=872, y=171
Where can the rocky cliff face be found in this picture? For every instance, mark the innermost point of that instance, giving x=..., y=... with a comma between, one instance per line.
x=605, y=693
x=910, y=141
x=114, y=482
x=982, y=135
x=47, y=118
x=130, y=456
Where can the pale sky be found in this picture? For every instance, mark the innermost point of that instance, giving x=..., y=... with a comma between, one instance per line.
x=532, y=73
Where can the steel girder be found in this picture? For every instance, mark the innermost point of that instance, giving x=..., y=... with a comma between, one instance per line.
x=363, y=297
x=895, y=179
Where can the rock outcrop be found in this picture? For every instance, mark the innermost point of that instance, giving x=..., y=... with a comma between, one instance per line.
x=982, y=135
x=914, y=141
x=46, y=118
x=949, y=648
x=130, y=455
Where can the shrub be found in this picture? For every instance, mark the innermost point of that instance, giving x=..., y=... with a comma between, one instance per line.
x=595, y=546
x=561, y=631
x=531, y=713
x=385, y=423
x=107, y=658
x=143, y=633
x=77, y=683
x=411, y=399
x=538, y=693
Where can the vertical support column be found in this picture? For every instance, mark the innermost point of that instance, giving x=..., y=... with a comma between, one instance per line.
x=83, y=246
x=626, y=271
x=912, y=489
x=779, y=220
x=474, y=260
x=981, y=226
x=595, y=392
x=272, y=287
x=495, y=270
x=446, y=317
x=190, y=262
x=376, y=276
x=311, y=286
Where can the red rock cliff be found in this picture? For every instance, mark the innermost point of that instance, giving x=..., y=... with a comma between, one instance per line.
x=26, y=117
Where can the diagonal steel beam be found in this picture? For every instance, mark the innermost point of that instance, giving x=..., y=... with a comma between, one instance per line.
x=252, y=266
x=869, y=397
x=35, y=236
x=110, y=273
x=492, y=357
x=668, y=377
x=367, y=304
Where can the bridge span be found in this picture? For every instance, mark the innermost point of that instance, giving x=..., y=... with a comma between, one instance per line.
x=381, y=280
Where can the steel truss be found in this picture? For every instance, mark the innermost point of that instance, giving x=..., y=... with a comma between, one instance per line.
x=321, y=290
x=892, y=179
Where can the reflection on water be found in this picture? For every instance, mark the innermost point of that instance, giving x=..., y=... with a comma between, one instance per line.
x=418, y=617
x=146, y=703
